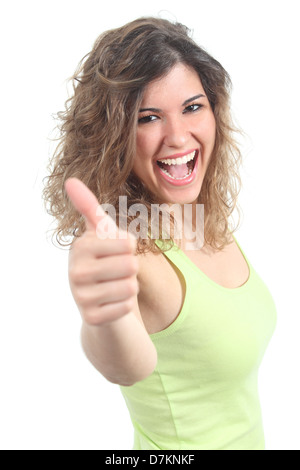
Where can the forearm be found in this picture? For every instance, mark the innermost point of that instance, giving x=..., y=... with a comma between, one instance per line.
x=121, y=351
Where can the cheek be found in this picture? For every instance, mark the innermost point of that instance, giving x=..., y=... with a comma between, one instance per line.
x=142, y=154
x=208, y=131
x=142, y=145
x=213, y=126
x=148, y=141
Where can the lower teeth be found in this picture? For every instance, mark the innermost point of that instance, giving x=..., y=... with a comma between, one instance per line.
x=184, y=177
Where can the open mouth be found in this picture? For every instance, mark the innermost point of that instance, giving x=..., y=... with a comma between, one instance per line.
x=179, y=168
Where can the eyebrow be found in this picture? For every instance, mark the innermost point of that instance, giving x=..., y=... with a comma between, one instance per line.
x=157, y=110
x=193, y=99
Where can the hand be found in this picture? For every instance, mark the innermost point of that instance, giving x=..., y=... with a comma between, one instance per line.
x=102, y=272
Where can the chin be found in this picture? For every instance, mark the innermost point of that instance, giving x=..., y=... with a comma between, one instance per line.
x=184, y=196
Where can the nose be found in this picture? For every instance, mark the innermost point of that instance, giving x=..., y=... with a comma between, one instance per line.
x=176, y=133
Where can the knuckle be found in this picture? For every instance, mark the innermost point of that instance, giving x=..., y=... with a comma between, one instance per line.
x=132, y=265
x=118, y=291
x=81, y=298
x=79, y=244
x=74, y=275
x=127, y=306
x=83, y=243
x=77, y=274
x=96, y=316
x=92, y=317
x=132, y=286
x=102, y=295
x=127, y=242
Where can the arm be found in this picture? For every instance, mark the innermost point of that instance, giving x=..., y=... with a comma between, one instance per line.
x=103, y=281
x=122, y=350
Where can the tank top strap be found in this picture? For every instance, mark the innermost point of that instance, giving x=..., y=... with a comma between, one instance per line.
x=176, y=256
x=191, y=272
x=242, y=251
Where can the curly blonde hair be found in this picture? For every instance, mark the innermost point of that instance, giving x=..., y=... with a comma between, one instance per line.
x=97, y=140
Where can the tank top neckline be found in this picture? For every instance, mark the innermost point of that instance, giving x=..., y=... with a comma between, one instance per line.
x=197, y=270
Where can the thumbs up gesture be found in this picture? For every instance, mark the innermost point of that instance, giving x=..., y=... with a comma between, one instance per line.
x=102, y=272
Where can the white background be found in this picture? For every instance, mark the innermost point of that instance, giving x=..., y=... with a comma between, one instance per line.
x=50, y=396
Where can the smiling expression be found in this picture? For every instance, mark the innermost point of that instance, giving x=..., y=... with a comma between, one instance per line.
x=175, y=136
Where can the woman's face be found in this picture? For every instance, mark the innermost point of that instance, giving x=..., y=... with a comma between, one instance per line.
x=175, y=136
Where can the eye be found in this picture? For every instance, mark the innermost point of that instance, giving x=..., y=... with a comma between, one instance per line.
x=145, y=119
x=192, y=108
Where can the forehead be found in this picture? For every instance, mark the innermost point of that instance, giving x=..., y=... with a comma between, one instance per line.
x=179, y=83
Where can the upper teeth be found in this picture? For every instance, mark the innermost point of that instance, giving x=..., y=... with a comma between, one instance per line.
x=180, y=160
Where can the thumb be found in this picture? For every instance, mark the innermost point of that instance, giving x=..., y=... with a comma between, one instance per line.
x=86, y=203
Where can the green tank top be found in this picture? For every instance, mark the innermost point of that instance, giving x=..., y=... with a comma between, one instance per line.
x=203, y=393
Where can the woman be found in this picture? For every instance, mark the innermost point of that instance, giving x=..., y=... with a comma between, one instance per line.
x=181, y=330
